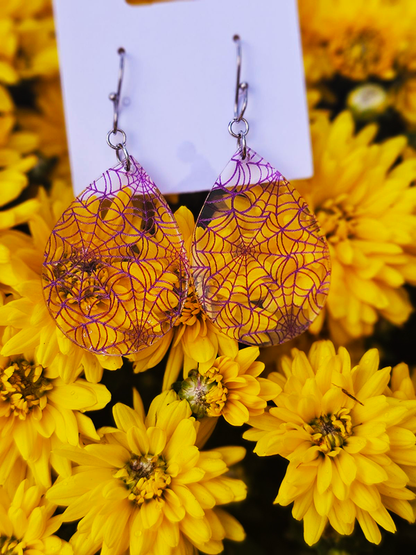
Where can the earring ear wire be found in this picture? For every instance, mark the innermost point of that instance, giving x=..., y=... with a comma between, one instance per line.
x=240, y=105
x=241, y=88
x=115, y=98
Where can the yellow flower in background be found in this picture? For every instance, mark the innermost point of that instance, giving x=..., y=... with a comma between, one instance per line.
x=405, y=101
x=407, y=60
x=27, y=42
x=364, y=46
x=147, y=485
x=29, y=327
x=316, y=62
x=194, y=340
x=38, y=55
x=349, y=446
x=402, y=390
x=39, y=412
x=15, y=163
x=336, y=40
x=8, y=48
x=27, y=525
x=7, y=117
x=47, y=123
x=231, y=388
x=28, y=50
x=365, y=206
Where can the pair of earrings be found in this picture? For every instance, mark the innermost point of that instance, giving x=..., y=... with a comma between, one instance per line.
x=116, y=273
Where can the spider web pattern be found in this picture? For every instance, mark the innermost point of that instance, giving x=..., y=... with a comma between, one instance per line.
x=260, y=267
x=115, y=271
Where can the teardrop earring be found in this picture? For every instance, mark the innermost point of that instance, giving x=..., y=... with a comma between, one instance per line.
x=115, y=272
x=260, y=266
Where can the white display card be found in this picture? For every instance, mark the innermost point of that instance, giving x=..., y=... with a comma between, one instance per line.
x=179, y=86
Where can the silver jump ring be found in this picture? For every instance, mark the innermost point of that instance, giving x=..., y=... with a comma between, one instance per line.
x=242, y=145
x=240, y=133
x=114, y=132
x=125, y=160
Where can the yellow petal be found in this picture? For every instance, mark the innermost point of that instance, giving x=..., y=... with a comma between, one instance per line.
x=369, y=472
x=366, y=497
x=346, y=467
x=151, y=512
x=138, y=441
x=375, y=385
x=369, y=527
x=188, y=501
x=313, y=526
x=73, y=396
x=125, y=417
x=323, y=502
x=183, y=436
x=324, y=475
x=383, y=518
x=157, y=440
x=231, y=455
x=169, y=533
x=35, y=525
x=114, y=455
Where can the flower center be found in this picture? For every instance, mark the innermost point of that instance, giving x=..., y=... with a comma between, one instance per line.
x=331, y=431
x=80, y=280
x=10, y=546
x=192, y=310
x=206, y=394
x=368, y=98
x=145, y=476
x=23, y=388
x=335, y=219
x=359, y=53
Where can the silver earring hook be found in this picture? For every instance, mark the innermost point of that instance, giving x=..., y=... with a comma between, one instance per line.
x=241, y=90
x=115, y=99
x=240, y=105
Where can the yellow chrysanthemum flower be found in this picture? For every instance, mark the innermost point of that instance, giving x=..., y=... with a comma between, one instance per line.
x=194, y=340
x=30, y=328
x=149, y=488
x=27, y=525
x=27, y=40
x=402, y=388
x=365, y=206
x=39, y=412
x=39, y=54
x=335, y=40
x=15, y=162
x=348, y=445
x=231, y=387
x=47, y=123
x=405, y=101
x=8, y=48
